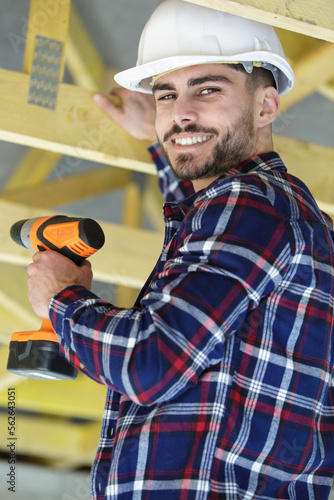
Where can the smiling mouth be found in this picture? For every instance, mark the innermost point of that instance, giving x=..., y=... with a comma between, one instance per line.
x=189, y=141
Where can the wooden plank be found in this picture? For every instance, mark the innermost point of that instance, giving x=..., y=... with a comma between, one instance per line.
x=127, y=258
x=50, y=20
x=77, y=127
x=327, y=91
x=56, y=440
x=314, y=69
x=131, y=217
x=33, y=169
x=152, y=203
x=81, y=398
x=7, y=379
x=80, y=129
x=296, y=45
x=13, y=294
x=314, y=18
x=131, y=213
x=313, y=164
x=69, y=189
x=9, y=323
x=82, y=58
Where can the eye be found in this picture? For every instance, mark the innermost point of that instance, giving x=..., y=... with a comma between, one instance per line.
x=165, y=97
x=209, y=90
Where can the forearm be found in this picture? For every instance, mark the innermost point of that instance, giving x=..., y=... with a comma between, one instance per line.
x=148, y=353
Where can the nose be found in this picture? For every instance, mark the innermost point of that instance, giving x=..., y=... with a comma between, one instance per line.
x=184, y=111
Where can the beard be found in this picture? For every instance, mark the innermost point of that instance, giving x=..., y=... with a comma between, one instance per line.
x=235, y=146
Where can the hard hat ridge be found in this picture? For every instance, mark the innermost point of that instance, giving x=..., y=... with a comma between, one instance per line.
x=181, y=34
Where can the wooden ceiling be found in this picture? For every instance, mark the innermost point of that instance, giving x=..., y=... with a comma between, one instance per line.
x=59, y=422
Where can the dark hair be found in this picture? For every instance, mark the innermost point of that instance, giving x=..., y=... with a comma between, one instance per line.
x=259, y=77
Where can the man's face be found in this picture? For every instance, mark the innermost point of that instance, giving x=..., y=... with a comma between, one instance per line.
x=204, y=120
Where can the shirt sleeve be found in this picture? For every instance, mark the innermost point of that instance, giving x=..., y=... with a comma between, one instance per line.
x=172, y=188
x=217, y=274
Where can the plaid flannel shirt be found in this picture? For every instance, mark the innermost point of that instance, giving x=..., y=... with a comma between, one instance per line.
x=220, y=378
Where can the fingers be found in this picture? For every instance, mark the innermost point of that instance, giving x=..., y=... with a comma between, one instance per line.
x=108, y=107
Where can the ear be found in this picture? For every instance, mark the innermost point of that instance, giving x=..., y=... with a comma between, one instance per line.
x=267, y=102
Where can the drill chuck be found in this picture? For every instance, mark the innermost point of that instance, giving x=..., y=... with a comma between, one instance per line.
x=20, y=232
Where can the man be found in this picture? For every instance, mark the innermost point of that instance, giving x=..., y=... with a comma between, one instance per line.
x=220, y=378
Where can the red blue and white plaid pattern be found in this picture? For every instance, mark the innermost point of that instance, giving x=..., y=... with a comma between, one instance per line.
x=220, y=378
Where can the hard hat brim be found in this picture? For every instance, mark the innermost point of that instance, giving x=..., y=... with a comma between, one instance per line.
x=140, y=77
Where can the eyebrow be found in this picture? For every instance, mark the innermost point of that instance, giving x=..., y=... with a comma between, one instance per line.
x=193, y=82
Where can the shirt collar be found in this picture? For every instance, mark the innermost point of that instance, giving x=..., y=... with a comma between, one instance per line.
x=264, y=162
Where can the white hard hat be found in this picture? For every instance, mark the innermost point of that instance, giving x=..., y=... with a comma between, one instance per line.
x=181, y=34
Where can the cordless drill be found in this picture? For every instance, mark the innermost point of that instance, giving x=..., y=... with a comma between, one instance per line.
x=35, y=354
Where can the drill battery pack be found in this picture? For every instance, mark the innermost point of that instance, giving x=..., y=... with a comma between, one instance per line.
x=36, y=355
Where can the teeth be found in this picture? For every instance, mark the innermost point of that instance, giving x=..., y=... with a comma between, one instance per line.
x=187, y=141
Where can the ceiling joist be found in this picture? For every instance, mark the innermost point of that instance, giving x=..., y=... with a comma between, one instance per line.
x=79, y=129
x=315, y=18
x=314, y=69
x=76, y=128
x=69, y=189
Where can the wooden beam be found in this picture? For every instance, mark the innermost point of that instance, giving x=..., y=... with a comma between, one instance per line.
x=33, y=169
x=132, y=212
x=152, y=203
x=13, y=294
x=80, y=129
x=9, y=323
x=77, y=127
x=7, y=379
x=59, y=441
x=131, y=217
x=82, y=58
x=313, y=18
x=300, y=159
x=296, y=45
x=81, y=398
x=127, y=258
x=69, y=189
x=50, y=20
x=327, y=91
x=314, y=69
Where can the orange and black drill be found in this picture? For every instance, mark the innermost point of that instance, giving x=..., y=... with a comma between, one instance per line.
x=35, y=354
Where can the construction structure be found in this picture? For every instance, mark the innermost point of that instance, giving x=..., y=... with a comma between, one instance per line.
x=58, y=423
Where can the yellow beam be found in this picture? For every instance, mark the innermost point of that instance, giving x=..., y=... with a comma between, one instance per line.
x=314, y=69
x=296, y=45
x=9, y=323
x=131, y=213
x=82, y=58
x=77, y=127
x=152, y=203
x=69, y=189
x=7, y=379
x=50, y=20
x=34, y=168
x=300, y=158
x=13, y=294
x=327, y=91
x=314, y=18
x=131, y=217
x=56, y=440
x=81, y=398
